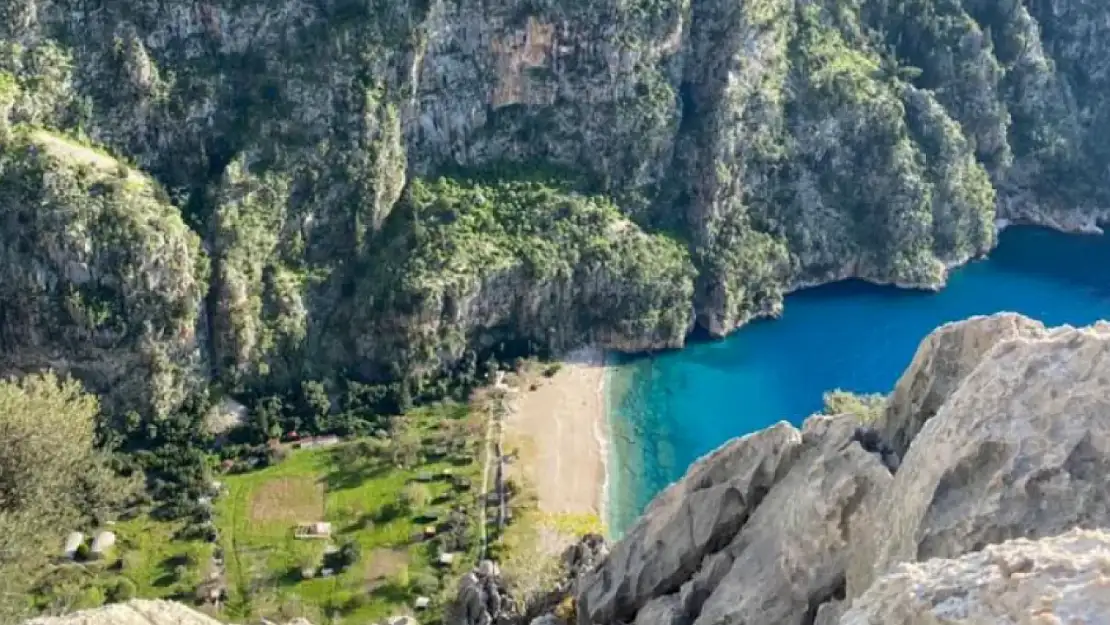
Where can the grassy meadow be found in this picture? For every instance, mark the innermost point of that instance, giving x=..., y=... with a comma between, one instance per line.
x=402, y=500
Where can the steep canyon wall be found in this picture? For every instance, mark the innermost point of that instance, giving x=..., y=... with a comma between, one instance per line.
x=613, y=172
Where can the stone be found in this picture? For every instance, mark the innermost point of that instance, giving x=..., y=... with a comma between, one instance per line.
x=1057, y=580
x=665, y=610
x=134, y=612
x=686, y=522
x=829, y=613
x=482, y=598
x=1020, y=448
x=793, y=551
x=939, y=365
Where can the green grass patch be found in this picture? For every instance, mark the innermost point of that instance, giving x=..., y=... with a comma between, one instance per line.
x=376, y=493
x=146, y=561
x=360, y=486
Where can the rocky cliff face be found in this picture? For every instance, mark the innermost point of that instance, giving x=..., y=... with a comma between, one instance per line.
x=777, y=144
x=1005, y=444
x=100, y=277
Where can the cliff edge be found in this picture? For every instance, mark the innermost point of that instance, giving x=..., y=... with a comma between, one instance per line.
x=1000, y=426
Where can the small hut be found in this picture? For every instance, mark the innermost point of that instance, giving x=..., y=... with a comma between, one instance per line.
x=422, y=603
x=446, y=559
x=73, y=542
x=102, y=543
x=319, y=529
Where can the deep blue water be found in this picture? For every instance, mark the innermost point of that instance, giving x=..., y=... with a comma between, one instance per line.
x=669, y=409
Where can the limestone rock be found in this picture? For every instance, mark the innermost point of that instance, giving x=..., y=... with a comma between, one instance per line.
x=482, y=599
x=792, y=553
x=688, y=521
x=1062, y=579
x=135, y=612
x=769, y=562
x=941, y=363
x=829, y=613
x=1020, y=449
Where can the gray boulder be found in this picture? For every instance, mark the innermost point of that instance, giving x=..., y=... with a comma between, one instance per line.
x=135, y=612
x=688, y=521
x=1062, y=579
x=1020, y=449
x=789, y=553
x=942, y=361
x=792, y=553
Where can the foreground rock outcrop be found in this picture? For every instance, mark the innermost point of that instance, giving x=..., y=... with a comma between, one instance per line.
x=1020, y=449
x=135, y=612
x=1003, y=430
x=1062, y=579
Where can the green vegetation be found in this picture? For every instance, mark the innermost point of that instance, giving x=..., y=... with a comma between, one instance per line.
x=570, y=266
x=52, y=479
x=150, y=560
x=371, y=503
x=103, y=269
x=379, y=500
x=867, y=408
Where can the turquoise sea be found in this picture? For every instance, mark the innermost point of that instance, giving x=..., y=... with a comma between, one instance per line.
x=667, y=410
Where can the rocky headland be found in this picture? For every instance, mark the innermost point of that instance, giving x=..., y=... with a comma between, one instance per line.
x=1001, y=438
x=996, y=511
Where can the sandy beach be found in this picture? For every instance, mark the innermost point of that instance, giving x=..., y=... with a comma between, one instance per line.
x=561, y=427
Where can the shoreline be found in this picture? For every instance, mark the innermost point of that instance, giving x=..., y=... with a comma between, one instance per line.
x=602, y=430
x=563, y=421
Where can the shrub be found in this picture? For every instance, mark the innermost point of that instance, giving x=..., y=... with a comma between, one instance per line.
x=867, y=408
x=551, y=369
x=122, y=590
x=388, y=512
x=424, y=584
x=348, y=555
x=415, y=496
x=89, y=598
x=565, y=611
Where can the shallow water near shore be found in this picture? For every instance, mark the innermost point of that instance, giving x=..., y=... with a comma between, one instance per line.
x=669, y=409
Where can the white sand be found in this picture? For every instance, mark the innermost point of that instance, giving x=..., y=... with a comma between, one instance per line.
x=563, y=427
